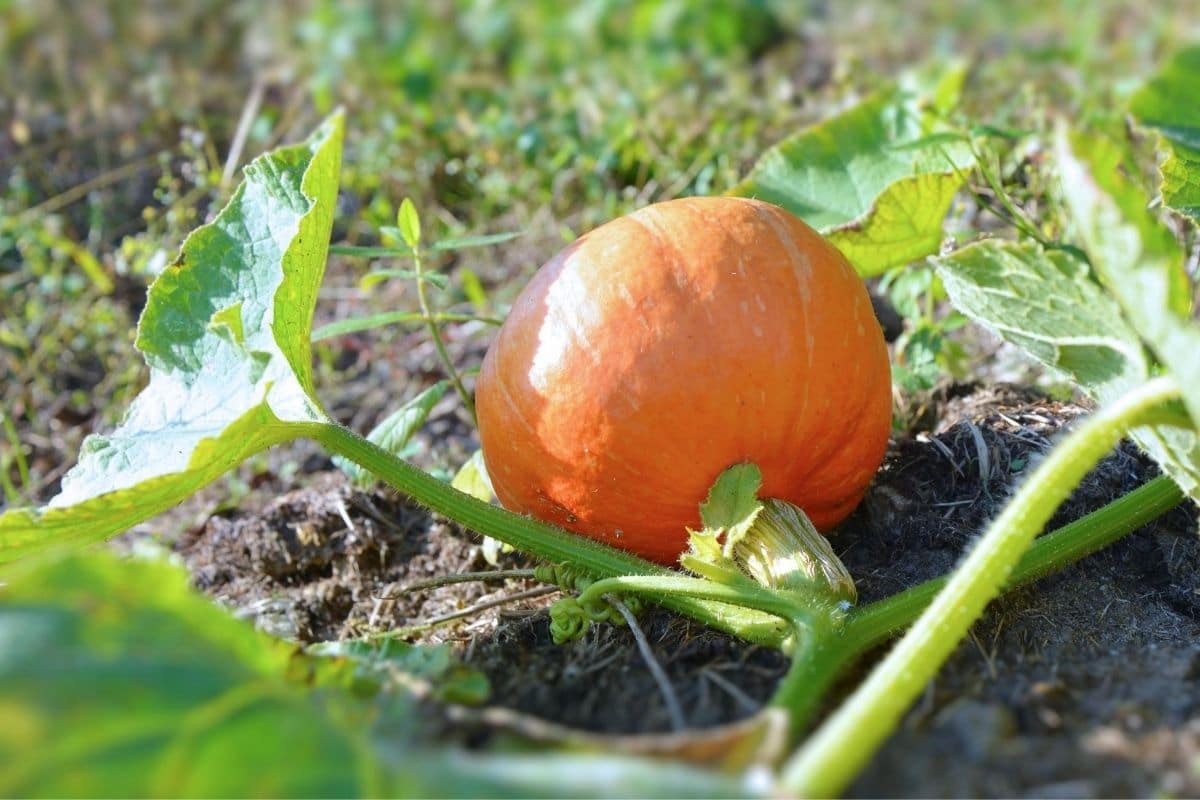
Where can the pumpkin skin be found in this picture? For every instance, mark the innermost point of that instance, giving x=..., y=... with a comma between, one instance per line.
x=665, y=346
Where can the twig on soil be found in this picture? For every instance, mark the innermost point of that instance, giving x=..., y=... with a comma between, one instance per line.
x=730, y=688
x=941, y=446
x=674, y=709
x=367, y=507
x=382, y=600
x=79, y=191
x=983, y=457
x=464, y=577
x=345, y=515
x=467, y=612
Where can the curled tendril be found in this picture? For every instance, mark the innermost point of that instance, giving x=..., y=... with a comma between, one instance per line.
x=634, y=604
x=601, y=611
x=564, y=575
x=568, y=620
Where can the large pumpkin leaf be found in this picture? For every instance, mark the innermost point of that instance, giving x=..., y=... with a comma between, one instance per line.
x=876, y=179
x=1167, y=103
x=119, y=680
x=1046, y=303
x=226, y=336
x=1138, y=259
x=116, y=679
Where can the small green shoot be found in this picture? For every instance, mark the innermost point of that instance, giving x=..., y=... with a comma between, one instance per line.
x=410, y=224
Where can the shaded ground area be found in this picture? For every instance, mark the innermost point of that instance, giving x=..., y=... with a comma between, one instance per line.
x=1084, y=684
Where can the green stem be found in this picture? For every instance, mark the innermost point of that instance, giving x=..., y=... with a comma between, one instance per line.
x=537, y=538
x=835, y=754
x=658, y=587
x=1017, y=217
x=18, y=455
x=818, y=663
x=874, y=624
x=435, y=332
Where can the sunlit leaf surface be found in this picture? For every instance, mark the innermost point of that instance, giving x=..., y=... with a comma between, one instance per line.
x=226, y=336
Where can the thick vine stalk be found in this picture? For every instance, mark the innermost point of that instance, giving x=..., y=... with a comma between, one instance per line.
x=831, y=758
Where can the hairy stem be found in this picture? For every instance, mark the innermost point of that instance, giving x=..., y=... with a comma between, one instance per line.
x=819, y=657
x=658, y=587
x=874, y=624
x=818, y=662
x=537, y=538
x=838, y=750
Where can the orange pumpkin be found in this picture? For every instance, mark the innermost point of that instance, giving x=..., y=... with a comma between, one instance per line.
x=667, y=345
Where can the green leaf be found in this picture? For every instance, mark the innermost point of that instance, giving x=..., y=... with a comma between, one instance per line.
x=902, y=225
x=473, y=289
x=465, y=242
x=1167, y=103
x=394, y=432
x=410, y=224
x=380, y=275
x=356, y=324
x=225, y=334
x=1047, y=304
x=117, y=679
x=432, y=670
x=370, y=252
x=918, y=351
x=732, y=504
x=1181, y=182
x=1136, y=256
x=878, y=178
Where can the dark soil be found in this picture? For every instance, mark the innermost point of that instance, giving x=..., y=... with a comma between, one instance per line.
x=1082, y=684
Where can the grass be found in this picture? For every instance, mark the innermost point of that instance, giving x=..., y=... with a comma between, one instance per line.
x=125, y=122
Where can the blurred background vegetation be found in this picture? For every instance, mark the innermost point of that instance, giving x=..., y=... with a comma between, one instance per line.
x=123, y=126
